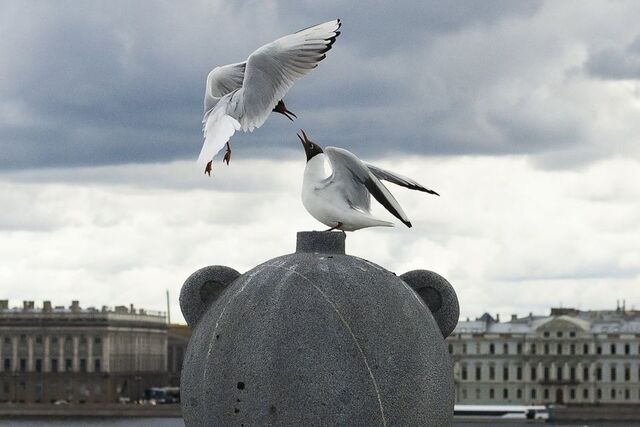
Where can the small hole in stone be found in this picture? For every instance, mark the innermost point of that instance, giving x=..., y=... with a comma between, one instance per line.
x=240, y=385
x=217, y=336
x=236, y=410
x=238, y=400
x=272, y=409
x=330, y=256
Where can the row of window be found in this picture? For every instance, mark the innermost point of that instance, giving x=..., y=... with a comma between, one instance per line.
x=547, y=348
x=55, y=365
x=613, y=394
x=597, y=373
x=54, y=340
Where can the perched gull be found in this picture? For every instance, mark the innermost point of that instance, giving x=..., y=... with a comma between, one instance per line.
x=341, y=199
x=241, y=96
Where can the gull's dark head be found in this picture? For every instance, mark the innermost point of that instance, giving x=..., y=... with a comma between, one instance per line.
x=310, y=148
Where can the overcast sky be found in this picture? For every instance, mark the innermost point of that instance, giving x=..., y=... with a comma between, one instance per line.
x=523, y=115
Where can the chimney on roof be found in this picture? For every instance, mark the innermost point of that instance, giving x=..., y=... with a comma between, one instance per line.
x=4, y=304
x=498, y=317
x=75, y=306
x=624, y=303
x=27, y=305
x=514, y=317
x=46, y=306
x=132, y=309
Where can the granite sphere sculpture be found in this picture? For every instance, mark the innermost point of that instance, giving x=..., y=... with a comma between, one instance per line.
x=317, y=338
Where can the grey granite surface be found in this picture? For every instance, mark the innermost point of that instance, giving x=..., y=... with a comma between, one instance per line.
x=315, y=338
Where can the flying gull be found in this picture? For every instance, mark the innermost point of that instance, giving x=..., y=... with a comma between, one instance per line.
x=341, y=199
x=241, y=96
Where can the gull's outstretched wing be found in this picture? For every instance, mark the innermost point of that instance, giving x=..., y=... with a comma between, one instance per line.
x=355, y=180
x=221, y=81
x=272, y=69
x=398, y=179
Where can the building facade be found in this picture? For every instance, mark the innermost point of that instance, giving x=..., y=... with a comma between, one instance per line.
x=178, y=337
x=80, y=355
x=568, y=357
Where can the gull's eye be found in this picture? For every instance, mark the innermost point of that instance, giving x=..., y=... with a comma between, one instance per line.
x=311, y=146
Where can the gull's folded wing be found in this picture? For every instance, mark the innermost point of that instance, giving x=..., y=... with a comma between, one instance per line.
x=351, y=173
x=398, y=179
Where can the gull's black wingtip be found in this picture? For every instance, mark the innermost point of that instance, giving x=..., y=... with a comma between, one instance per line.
x=407, y=223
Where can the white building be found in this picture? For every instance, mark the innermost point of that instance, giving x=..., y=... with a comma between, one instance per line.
x=570, y=356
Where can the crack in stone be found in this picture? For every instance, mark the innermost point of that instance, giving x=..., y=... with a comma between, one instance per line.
x=348, y=327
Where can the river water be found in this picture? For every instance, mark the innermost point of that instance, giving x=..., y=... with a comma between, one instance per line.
x=177, y=422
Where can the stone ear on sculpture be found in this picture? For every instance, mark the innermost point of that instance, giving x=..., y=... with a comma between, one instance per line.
x=438, y=295
x=202, y=288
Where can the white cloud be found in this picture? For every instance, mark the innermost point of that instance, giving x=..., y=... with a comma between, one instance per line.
x=509, y=237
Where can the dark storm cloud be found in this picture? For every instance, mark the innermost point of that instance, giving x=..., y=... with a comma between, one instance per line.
x=96, y=83
x=616, y=62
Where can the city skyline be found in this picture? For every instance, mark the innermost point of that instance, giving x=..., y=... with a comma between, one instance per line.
x=522, y=115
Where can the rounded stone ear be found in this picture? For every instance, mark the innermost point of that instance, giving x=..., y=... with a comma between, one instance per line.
x=439, y=296
x=202, y=288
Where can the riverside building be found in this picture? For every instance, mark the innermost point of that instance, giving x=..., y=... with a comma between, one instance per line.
x=568, y=357
x=79, y=354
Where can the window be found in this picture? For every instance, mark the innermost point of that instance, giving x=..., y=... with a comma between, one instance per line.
x=7, y=364
x=83, y=365
x=546, y=373
x=38, y=365
x=572, y=373
x=585, y=373
x=478, y=373
x=599, y=349
x=464, y=347
x=505, y=348
x=519, y=373
x=505, y=373
x=613, y=349
x=533, y=373
x=546, y=393
x=23, y=365
x=38, y=339
x=450, y=349
x=68, y=365
x=491, y=393
x=572, y=349
x=533, y=393
x=7, y=340
x=546, y=349
x=519, y=348
x=533, y=349
x=572, y=394
x=492, y=349
x=572, y=334
x=492, y=372
x=96, y=367
x=585, y=393
x=627, y=394
x=599, y=373
x=98, y=341
x=54, y=365
x=627, y=349
x=559, y=349
x=585, y=348
x=613, y=394
x=505, y=393
x=559, y=372
x=519, y=394
x=627, y=373
x=559, y=334
x=599, y=393
x=546, y=334
x=54, y=341
x=613, y=373
x=464, y=372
